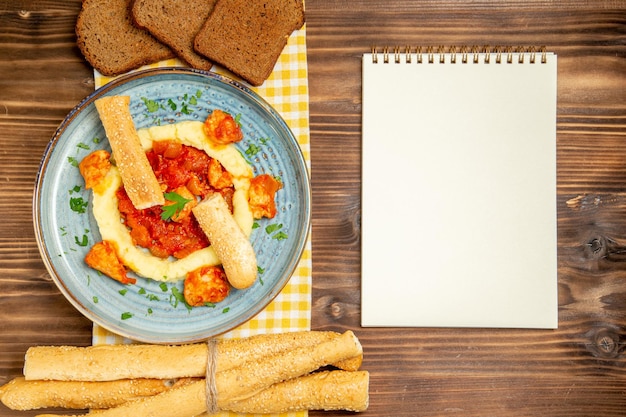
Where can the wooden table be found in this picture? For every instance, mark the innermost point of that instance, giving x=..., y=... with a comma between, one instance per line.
x=577, y=370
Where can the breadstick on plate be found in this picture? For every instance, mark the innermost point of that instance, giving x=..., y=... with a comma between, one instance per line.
x=230, y=243
x=138, y=178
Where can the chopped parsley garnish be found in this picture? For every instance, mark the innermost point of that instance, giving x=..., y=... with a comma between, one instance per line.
x=153, y=297
x=151, y=105
x=83, y=146
x=73, y=161
x=252, y=150
x=226, y=310
x=84, y=241
x=163, y=286
x=280, y=236
x=95, y=299
x=178, y=297
x=172, y=210
x=123, y=291
x=276, y=232
x=271, y=228
x=126, y=315
x=78, y=204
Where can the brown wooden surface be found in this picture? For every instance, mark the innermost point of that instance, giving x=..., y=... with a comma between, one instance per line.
x=577, y=370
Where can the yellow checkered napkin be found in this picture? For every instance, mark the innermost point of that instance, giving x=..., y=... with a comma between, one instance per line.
x=287, y=91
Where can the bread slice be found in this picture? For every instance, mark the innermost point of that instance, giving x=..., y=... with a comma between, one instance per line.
x=247, y=37
x=110, y=42
x=175, y=23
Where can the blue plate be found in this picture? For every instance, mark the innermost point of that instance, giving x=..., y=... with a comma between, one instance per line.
x=151, y=311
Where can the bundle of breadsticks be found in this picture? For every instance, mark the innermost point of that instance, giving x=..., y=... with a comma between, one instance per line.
x=273, y=373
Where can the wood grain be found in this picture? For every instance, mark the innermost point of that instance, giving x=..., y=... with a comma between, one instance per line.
x=577, y=370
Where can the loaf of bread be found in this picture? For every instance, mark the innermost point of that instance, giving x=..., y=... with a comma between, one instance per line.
x=247, y=37
x=106, y=36
x=175, y=23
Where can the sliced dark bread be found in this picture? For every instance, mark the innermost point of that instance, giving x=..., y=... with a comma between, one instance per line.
x=247, y=37
x=106, y=36
x=175, y=23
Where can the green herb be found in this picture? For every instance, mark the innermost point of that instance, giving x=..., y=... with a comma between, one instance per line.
x=275, y=230
x=226, y=310
x=96, y=140
x=73, y=161
x=95, y=299
x=83, y=146
x=76, y=189
x=171, y=210
x=163, y=286
x=151, y=105
x=280, y=236
x=78, y=204
x=123, y=291
x=193, y=101
x=264, y=140
x=255, y=225
x=149, y=311
x=210, y=305
x=271, y=228
x=198, y=93
x=178, y=298
x=260, y=270
x=141, y=291
x=63, y=230
x=172, y=105
x=126, y=315
x=185, y=109
x=152, y=297
x=84, y=241
x=252, y=150
x=238, y=119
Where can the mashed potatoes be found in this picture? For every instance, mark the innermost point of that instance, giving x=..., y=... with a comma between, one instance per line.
x=140, y=260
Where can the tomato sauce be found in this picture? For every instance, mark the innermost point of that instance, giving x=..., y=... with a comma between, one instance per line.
x=175, y=166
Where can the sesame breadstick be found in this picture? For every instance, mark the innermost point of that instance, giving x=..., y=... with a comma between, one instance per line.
x=111, y=362
x=20, y=394
x=240, y=383
x=139, y=180
x=232, y=246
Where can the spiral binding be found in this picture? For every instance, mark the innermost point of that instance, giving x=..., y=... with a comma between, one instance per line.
x=462, y=54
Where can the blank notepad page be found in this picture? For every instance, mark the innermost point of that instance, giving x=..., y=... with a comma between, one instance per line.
x=459, y=190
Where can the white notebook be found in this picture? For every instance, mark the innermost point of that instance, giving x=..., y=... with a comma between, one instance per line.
x=459, y=221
